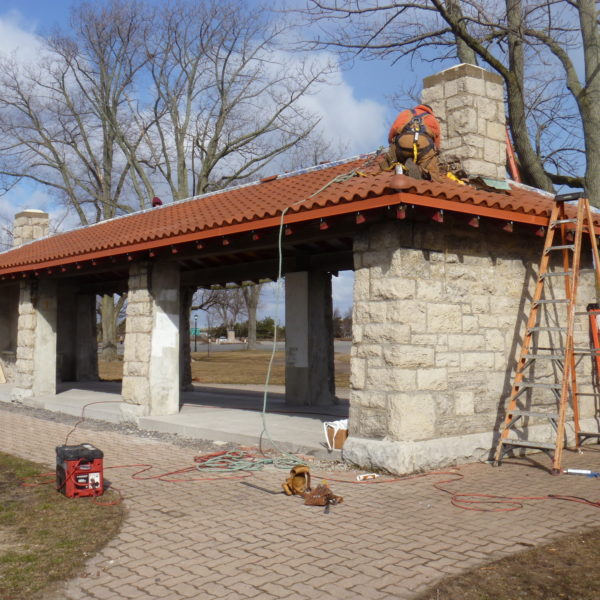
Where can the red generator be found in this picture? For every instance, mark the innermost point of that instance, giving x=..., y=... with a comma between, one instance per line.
x=79, y=471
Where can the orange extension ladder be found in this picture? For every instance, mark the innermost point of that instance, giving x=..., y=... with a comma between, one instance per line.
x=548, y=339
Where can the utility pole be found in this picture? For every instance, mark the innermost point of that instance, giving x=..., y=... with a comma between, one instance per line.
x=195, y=333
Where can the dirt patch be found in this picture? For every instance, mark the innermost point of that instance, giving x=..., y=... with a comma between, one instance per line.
x=566, y=569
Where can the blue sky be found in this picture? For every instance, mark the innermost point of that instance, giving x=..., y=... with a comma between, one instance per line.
x=356, y=108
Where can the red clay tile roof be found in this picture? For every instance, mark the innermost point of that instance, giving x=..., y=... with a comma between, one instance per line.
x=309, y=195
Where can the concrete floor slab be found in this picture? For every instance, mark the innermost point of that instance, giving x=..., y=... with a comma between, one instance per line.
x=217, y=413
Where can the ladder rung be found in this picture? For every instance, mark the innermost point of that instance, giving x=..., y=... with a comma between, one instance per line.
x=593, y=351
x=533, y=329
x=544, y=356
x=530, y=413
x=563, y=247
x=559, y=301
x=589, y=433
x=528, y=444
x=542, y=386
x=562, y=222
x=563, y=273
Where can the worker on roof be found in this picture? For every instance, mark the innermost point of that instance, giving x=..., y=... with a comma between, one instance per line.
x=414, y=140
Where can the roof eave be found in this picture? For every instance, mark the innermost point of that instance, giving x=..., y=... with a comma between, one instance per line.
x=382, y=200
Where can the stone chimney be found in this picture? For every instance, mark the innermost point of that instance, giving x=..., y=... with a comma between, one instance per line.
x=469, y=102
x=30, y=225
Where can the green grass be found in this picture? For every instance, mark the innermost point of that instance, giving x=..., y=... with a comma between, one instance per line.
x=45, y=537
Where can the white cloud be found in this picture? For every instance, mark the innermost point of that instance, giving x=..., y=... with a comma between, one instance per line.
x=17, y=39
x=342, y=290
x=27, y=195
x=358, y=124
x=21, y=197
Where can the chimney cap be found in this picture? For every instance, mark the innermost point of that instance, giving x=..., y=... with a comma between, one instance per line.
x=31, y=211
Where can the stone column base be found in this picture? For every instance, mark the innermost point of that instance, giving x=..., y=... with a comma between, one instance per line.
x=402, y=458
x=19, y=394
x=131, y=413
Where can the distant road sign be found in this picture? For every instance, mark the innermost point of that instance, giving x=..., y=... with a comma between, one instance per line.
x=194, y=331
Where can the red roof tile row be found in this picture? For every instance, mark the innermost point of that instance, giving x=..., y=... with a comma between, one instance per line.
x=333, y=189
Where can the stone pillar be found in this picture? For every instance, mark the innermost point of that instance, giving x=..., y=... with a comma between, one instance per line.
x=9, y=315
x=66, y=354
x=469, y=102
x=185, y=358
x=309, y=369
x=77, y=346
x=86, y=361
x=36, y=340
x=29, y=225
x=151, y=359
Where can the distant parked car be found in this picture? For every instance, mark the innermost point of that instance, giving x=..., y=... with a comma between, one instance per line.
x=222, y=340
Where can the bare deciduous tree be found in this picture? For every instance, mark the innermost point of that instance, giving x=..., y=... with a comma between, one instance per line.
x=6, y=234
x=226, y=101
x=62, y=120
x=251, y=294
x=196, y=95
x=204, y=299
x=230, y=306
x=525, y=41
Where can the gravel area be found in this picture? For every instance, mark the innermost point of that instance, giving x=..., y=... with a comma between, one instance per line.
x=197, y=445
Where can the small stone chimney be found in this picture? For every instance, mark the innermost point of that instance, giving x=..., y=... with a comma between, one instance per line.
x=469, y=103
x=30, y=225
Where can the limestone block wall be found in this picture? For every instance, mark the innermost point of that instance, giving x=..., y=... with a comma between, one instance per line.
x=36, y=340
x=439, y=313
x=23, y=387
x=469, y=102
x=151, y=365
x=30, y=225
x=138, y=336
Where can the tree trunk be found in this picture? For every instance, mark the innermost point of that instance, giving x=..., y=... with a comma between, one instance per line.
x=251, y=297
x=531, y=165
x=252, y=328
x=589, y=102
x=109, y=315
x=465, y=53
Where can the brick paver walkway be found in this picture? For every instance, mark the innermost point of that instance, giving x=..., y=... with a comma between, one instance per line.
x=224, y=539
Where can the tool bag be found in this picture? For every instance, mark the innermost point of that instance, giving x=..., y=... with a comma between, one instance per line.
x=298, y=483
x=321, y=496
